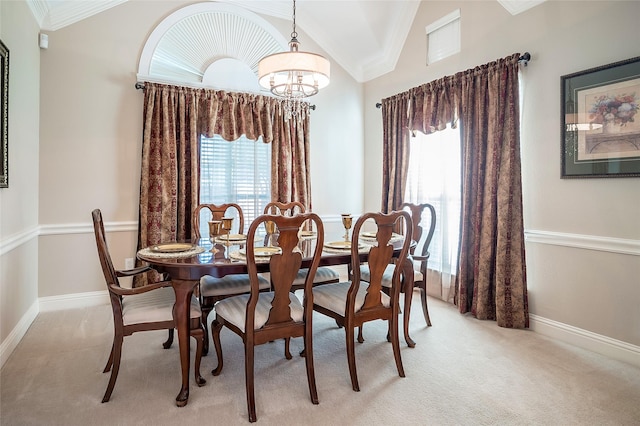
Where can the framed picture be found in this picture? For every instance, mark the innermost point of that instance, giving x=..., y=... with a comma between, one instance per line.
x=600, y=123
x=4, y=116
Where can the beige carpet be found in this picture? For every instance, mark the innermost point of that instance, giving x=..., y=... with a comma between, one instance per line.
x=462, y=371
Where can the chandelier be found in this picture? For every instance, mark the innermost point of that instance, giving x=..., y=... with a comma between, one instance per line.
x=293, y=75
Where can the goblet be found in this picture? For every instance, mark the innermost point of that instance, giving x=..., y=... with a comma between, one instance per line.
x=346, y=222
x=215, y=229
x=226, y=226
x=270, y=227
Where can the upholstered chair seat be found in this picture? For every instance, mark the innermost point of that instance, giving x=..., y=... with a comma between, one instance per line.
x=387, y=276
x=234, y=309
x=324, y=275
x=153, y=306
x=332, y=296
x=229, y=285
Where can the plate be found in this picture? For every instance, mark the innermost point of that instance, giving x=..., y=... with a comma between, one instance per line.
x=369, y=234
x=263, y=251
x=232, y=237
x=339, y=245
x=308, y=233
x=172, y=247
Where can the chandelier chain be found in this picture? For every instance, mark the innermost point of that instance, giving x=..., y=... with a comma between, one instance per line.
x=294, y=33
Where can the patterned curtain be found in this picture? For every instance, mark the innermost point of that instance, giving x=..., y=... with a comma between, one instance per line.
x=491, y=280
x=175, y=118
x=491, y=274
x=395, y=160
x=290, y=167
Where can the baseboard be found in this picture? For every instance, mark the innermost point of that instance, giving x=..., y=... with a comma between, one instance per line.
x=11, y=342
x=74, y=301
x=612, y=348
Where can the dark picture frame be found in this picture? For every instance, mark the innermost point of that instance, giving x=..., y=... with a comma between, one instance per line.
x=4, y=116
x=600, y=121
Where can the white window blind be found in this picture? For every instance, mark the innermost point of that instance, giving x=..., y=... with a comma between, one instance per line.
x=434, y=178
x=443, y=37
x=235, y=172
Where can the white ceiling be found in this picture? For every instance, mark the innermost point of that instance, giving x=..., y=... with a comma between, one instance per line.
x=363, y=36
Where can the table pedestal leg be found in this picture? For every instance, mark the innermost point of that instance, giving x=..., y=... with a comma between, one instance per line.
x=408, y=294
x=181, y=313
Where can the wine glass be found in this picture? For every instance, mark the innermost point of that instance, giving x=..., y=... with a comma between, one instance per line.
x=270, y=227
x=346, y=222
x=215, y=229
x=227, y=222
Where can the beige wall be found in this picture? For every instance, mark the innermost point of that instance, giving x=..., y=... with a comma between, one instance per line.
x=19, y=202
x=87, y=135
x=91, y=139
x=593, y=290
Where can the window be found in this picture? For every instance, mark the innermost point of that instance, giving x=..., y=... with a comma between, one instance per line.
x=443, y=37
x=434, y=178
x=235, y=172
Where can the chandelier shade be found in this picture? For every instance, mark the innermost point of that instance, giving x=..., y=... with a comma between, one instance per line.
x=294, y=74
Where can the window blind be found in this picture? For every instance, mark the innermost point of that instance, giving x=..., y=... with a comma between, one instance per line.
x=235, y=172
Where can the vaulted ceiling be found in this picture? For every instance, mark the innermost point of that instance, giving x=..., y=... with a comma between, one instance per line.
x=363, y=36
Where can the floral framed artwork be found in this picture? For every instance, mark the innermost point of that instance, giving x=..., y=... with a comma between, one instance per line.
x=600, y=122
x=4, y=116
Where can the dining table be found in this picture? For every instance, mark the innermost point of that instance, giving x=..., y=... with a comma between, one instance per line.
x=186, y=262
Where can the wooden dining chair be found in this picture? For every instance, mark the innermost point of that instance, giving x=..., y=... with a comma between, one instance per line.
x=261, y=317
x=352, y=303
x=213, y=289
x=419, y=260
x=140, y=309
x=324, y=274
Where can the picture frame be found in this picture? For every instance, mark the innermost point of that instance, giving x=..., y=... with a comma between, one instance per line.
x=600, y=121
x=4, y=115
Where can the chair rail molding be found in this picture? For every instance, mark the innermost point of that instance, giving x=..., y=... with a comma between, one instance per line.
x=587, y=242
x=16, y=240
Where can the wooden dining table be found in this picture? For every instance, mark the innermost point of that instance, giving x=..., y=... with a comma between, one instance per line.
x=204, y=258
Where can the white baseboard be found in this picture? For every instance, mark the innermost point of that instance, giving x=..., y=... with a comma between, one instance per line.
x=74, y=301
x=9, y=344
x=598, y=343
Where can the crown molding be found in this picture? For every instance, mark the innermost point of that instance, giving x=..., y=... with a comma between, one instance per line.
x=515, y=7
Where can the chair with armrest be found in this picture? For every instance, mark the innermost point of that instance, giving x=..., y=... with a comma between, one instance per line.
x=261, y=317
x=140, y=309
x=324, y=274
x=419, y=260
x=213, y=289
x=352, y=303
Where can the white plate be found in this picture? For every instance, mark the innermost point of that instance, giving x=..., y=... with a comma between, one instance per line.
x=232, y=237
x=263, y=251
x=172, y=247
x=341, y=245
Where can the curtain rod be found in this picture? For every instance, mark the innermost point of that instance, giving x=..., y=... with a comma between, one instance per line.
x=525, y=58
x=140, y=86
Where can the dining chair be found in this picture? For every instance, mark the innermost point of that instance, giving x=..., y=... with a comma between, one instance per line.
x=262, y=317
x=419, y=260
x=140, y=309
x=324, y=274
x=213, y=289
x=352, y=303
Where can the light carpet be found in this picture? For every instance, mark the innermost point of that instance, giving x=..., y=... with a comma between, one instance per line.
x=462, y=371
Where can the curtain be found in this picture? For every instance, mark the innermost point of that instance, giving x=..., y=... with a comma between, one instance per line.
x=491, y=279
x=174, y=119
x=491, y=274
x=395, y=141
x=290, y=167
